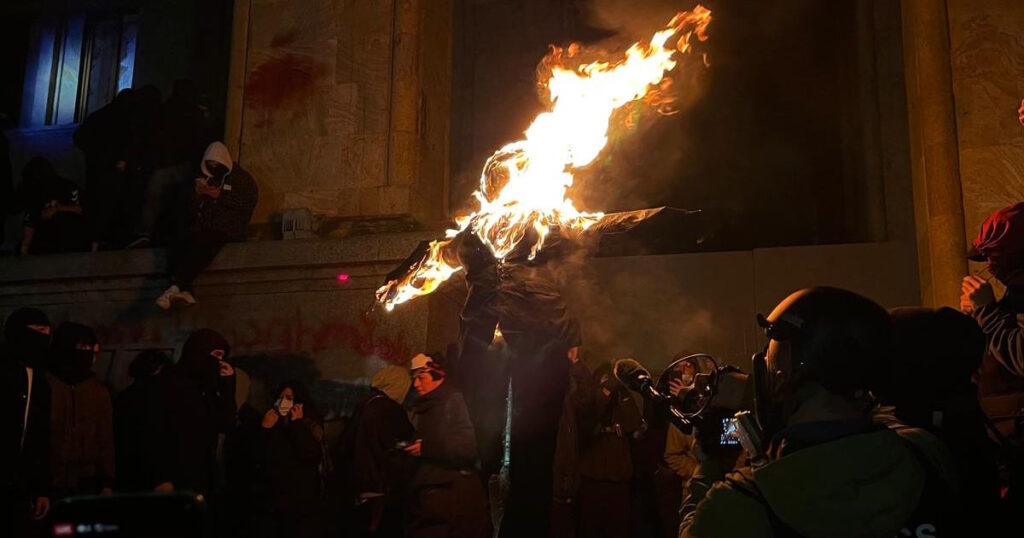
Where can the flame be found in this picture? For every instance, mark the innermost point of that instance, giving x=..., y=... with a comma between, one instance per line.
x=523, y=185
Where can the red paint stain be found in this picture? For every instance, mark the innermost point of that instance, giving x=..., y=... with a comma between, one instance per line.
x=280, y=81
x=285, y=39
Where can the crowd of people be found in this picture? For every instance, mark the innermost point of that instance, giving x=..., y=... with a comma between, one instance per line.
x=870, y=421
x=865, y=422
x=154, y=176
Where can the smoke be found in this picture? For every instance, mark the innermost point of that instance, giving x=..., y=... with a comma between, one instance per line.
x=637, y=307
x=647, y=143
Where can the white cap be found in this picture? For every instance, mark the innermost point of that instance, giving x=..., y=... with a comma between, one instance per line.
x=422, y=361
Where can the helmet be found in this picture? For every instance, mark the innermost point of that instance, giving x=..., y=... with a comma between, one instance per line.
x=837, y=338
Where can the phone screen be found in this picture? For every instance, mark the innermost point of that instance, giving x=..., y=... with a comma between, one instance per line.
x=729, y=435
x=132, y=515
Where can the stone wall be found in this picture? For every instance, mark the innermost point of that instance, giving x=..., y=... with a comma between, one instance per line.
x=340, y=97
x=987, y=56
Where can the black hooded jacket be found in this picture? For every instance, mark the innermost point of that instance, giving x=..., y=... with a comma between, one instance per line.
x=24, y=451
x=81, y=416
x=192, y=403
x=291, y=455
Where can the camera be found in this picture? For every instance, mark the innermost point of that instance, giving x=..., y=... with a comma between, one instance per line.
x=696, y=391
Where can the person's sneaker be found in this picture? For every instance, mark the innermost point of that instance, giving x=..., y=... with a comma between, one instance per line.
x=164, y=301
x=183, y=299
x=141, y=241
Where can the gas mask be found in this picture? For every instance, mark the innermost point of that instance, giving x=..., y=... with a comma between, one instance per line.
x=768, y=379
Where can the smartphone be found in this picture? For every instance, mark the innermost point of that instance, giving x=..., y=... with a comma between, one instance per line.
x=140, y=515
x=730, y=432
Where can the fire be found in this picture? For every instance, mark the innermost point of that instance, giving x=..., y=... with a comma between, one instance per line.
x=523, y=185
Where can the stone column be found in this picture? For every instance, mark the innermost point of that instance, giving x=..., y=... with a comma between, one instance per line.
x=236, y=77
x=934, y=152
x=403, y=135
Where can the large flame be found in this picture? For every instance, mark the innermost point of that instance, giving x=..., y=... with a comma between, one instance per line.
x=523, y=185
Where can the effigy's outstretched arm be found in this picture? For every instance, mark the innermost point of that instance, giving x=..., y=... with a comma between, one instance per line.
x=429, y=265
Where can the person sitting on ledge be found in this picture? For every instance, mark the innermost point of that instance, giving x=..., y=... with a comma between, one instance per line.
x=219, y=212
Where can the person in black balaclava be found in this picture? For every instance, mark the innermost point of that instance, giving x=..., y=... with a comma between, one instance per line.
x=194, y=402
x=130, y=420
x=81, y=416
x=25, y=416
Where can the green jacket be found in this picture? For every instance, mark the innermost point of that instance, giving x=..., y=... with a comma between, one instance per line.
x=864, y=485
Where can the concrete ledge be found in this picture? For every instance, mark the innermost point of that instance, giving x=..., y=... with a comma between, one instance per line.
x=250, y=256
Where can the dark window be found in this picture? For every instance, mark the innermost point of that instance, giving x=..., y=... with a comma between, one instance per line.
x=76, y=65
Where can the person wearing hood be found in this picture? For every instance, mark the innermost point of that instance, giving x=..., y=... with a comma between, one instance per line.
x=824, y=467
x=130, y=420
x=193, y=403
x=608, y=419
x=81, y=416
x=444, y=495
x=53, y=213
x=292, y=450
x=25, y=434
x=367, y=477
x=219, y=212
x=105, y=138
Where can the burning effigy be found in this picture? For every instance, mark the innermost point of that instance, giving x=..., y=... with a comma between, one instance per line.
x=524, y=222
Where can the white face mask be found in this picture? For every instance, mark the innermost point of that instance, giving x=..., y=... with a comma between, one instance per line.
x=283, y=406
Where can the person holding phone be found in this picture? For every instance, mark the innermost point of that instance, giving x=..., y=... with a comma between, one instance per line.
x=224, y=198
x=291, y=444
x=192, y=403
x=445, y=495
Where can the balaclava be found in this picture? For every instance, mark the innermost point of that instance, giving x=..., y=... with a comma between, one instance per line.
x=22, y=344
x=197, y=364
x=70, y=364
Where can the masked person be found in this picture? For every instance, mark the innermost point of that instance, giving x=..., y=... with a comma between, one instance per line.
x=193, y=402
x=25, y=432
x=445, y=497
x=291, y=444
x=219, y=212
x=368, y=478
x=608, y=419
x=130, y=420
x=81, y=416
x=53, y=213
x=828, y=469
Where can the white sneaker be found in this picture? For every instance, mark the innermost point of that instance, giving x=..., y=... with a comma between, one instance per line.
x=183, y=299
x=164, y=301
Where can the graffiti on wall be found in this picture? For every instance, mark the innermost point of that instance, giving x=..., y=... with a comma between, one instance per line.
x=275, y=334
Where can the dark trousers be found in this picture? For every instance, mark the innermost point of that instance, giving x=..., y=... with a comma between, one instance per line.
x=604, y=509
x=539, y=372
x=191, y=255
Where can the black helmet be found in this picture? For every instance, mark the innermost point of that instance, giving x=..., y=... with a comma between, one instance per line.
x=838, y=338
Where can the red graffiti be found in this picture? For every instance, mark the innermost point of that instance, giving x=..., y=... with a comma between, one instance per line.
x=280, y=81
x=291, y=334
x=281, y=334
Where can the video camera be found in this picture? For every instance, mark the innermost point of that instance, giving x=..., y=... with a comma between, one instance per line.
x=696, y=391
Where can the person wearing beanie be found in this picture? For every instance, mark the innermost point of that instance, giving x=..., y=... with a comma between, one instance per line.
x=81, y=416
x=193, y=404
x=445, y=496
x=25, y=432
x=367, y=480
